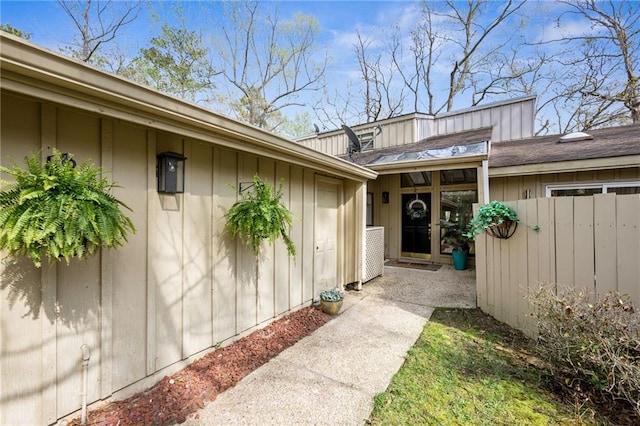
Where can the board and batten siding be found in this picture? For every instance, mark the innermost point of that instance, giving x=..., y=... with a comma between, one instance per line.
x=510, y=188
x=590, y=243
x=175, y=290
x=509, y=120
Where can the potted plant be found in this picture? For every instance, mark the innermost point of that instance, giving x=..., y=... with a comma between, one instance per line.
x=59, y=211
x=456, y=236
x=331, y=300
x=500, y=220
x=260, y=215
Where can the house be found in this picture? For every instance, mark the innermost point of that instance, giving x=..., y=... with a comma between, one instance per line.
x=180, y=286
x=440, y=165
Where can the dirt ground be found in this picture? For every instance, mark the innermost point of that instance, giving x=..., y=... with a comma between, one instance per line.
x=174, y=397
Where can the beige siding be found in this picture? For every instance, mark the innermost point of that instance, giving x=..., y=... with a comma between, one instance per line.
x=514, y=187
x=178, y=287
x=509, y=120
x=590, y=243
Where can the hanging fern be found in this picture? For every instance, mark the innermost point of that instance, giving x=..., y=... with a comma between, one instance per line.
x=261, y=215
x=58, y=211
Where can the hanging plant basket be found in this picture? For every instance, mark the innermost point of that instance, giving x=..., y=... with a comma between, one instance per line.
x=58, y=211
x=261, y=216
x=503, y=230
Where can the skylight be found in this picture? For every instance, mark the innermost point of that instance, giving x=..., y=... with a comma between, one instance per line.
x=576, y=136
x=476, y=148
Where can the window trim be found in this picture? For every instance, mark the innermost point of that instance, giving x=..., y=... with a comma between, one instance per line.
x=590, y=185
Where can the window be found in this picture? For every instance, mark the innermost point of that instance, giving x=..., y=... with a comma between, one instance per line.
x=408, y=180
x=579, y=190
x=369, y=209
x=456, y=207
x=458, y=176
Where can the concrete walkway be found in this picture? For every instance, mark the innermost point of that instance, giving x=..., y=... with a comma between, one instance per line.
x=333, y=375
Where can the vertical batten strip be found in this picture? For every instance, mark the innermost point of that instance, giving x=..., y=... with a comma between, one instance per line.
x=151, y=281
x=186, y=325
x=49, y=291
x=106, y=271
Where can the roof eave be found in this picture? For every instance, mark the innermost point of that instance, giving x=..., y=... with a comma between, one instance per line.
x=431, y=164
x=566, y=166
x=30, y=70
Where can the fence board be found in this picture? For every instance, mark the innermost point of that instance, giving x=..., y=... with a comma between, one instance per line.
x=564, y=241
x=546, y=258
x=583, y=243
x=605, y=242
x=628, y=245
x=481, y=270
x=578, y=237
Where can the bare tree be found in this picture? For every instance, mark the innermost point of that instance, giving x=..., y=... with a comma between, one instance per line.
x=609, y=61
x=466, y=21
x=268, y=62
x=98, y=22
x=380, y=97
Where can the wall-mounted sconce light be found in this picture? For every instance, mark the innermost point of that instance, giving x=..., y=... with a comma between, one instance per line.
x=170, y=171
x=385, y=197
x=65, y=157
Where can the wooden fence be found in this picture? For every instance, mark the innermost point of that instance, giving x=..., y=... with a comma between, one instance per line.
x=588, y=243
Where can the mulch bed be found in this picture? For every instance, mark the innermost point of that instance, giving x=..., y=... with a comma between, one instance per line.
x=413, y=265
x=174, y=397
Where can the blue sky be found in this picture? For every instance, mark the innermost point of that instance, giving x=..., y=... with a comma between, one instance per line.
x=338, y=20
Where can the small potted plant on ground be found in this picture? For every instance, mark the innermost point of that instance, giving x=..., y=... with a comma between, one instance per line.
x=456, y=236
x=331, y=301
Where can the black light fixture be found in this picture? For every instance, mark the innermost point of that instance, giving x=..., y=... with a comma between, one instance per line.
x=170, y=171
x=385, y=197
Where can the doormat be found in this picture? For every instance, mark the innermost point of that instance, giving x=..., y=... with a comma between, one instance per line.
x=413, y=265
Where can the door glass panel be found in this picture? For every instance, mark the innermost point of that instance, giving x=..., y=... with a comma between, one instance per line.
x=416, y=225
x=456, y=207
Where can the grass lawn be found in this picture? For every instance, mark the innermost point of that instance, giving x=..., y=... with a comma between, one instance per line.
x=468, y=369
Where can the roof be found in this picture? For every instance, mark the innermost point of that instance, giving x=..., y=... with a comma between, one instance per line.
x=434, y=142
x=606, y=143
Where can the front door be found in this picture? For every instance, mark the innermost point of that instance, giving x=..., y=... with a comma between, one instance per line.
x=416, y=225
x=326, y=237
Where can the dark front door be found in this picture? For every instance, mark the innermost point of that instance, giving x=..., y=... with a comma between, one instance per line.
x=416, y=225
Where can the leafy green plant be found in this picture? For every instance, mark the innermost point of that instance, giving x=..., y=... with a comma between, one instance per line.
x=333, y=295
x=456, y=234
x=58, y=211
x=261, y=215
x=490, y=215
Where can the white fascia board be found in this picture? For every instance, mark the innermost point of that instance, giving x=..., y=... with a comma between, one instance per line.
x=566, y=166
x=431, y=164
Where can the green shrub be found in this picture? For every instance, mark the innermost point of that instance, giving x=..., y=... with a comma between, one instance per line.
x=592, y=340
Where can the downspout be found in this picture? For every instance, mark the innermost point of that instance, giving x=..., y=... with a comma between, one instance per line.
x=85, y=381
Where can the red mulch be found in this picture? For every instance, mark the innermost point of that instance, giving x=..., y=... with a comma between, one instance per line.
x=174, y=397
